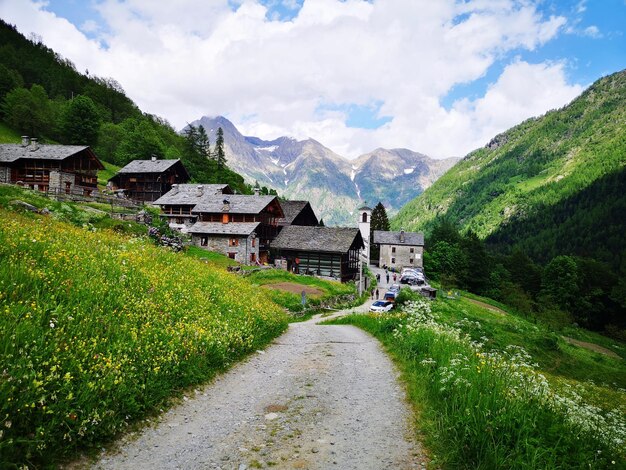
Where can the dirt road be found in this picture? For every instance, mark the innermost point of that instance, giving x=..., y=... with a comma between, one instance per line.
x=320, y=397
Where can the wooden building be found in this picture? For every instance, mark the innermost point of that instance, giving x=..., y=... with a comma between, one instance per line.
x=148, y=180
x=331, y=252
x=297, y=213
x=239, y=209
x=400, y=249
x=50, y=168
x=176, y=205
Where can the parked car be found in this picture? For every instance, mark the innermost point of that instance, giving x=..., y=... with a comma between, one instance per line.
x=412, y=280
x=390, y=295
x=394, y=288
x=381, y=306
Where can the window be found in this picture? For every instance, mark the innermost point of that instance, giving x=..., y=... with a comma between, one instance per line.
x=418, y=256
x=393, y=261
x=232, y=255
x=252, y=257
x=224, y=218
x=411, y=260
x=393, y=249
x=364, y=217
x=411, y=250
x=204, y=241
x=253, y=242
x=233, y=242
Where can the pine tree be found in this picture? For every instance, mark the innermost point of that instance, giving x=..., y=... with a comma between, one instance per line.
x=203, y=142
x=219, y=149
x=379, y=221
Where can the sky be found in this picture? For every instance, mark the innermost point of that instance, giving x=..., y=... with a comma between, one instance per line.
x=440, y=77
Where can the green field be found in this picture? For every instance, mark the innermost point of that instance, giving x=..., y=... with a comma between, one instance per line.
x=493, y=390
x=329, y=293
x=98, y=329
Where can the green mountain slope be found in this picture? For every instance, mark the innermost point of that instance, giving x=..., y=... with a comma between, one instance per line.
x=550, y=184
x=42, y=95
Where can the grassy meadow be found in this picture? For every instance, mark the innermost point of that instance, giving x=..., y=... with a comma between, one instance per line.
x=330, y=292
x=98, y=329
x=497, y=391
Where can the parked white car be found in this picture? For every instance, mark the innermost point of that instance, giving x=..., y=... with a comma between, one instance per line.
x=381, y=306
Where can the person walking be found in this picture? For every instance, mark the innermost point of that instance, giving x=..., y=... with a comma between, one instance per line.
x=387, y=278
x=376, y=293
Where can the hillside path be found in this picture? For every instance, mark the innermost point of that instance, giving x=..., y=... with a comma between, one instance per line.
x=319, y=397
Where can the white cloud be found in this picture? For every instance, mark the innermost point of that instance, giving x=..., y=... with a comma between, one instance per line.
x=189, y=58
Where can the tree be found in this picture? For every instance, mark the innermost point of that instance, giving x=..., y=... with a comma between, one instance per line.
x=28, y=111
x=445, y=261
x=379, y=221
x=560, y=283
x=202, y=142
x=220, y=157
x=9, y=79
x=475, y=276
x=444, y=230
x=109, y=137
x=80, y=122
x=140, y=142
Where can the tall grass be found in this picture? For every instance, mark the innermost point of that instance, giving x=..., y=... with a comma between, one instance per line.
x=493, y=409
x=97, y=330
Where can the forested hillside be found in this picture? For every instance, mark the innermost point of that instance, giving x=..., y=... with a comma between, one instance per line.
x=549, y=191
x=532, y=168
x=42, y=95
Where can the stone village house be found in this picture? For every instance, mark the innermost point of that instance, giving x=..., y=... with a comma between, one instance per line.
x=400, y=249
x=177, y=205
x=239, y=226
x=50, y=168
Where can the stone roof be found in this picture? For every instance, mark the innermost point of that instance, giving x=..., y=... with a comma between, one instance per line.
x=148, y=166
x=191, y=194
x=12, y=152
x=218, y=228
x=365, y=208
x=291, y=209
x=324, y=239
x=237, y=204
x=393, y=238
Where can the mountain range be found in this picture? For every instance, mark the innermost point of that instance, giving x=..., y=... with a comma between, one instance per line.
x=335, y=186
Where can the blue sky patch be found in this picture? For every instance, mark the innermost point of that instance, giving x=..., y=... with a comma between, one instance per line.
x=357, y=116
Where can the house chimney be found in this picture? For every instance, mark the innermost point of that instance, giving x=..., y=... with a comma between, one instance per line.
x=25, y=141
x=257, y=191
x=174, y=189
x=33, y=144
x=226, y=207
x=153, y=158
x=200, y=190
x=402, y=236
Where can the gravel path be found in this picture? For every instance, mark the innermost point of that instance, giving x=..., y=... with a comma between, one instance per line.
x=319, y=397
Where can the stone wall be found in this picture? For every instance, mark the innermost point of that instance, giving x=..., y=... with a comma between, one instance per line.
x=59, y=179
x=221, y=244
x=402, y=256
x=5, y=174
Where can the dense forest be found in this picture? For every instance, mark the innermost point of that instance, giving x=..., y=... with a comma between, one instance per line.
x=543, y=202
x=42, y=95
